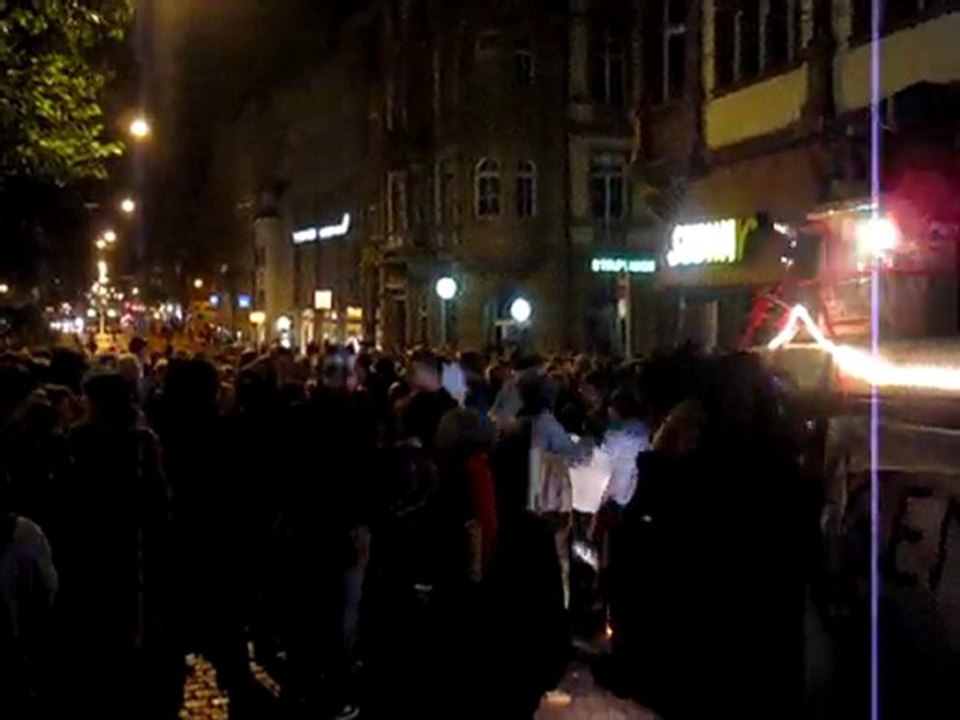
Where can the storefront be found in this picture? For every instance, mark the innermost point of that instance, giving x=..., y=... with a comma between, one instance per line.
x=712, y=271
x=623, y=305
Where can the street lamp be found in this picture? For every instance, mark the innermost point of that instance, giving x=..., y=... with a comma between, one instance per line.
x=198, y=283
x=140, y=128
x=101, y=244
x=128, y=205
x=446, y=289
x=4, y=289
x=110, y=236
x=520, y=310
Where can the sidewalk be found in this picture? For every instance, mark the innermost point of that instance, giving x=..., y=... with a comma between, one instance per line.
x=589, y=702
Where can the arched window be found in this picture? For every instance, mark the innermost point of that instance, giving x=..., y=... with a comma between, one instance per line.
x=526, y=188
x=487, y=188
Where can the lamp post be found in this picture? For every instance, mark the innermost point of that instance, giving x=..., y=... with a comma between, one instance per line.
x=446, y=289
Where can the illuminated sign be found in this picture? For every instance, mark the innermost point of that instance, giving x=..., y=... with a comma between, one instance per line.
x=312, y=234
x=244, y=302
x=704, y=243
x=633, y=266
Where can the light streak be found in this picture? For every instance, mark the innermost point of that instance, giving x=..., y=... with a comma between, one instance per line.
x=866, y=365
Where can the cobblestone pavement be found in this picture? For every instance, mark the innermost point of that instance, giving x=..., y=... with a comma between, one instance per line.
x=579, y=698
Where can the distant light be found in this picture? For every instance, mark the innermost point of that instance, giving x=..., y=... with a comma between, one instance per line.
x=135, y=291
x=101, y=244
x=79, y=325
x=284, y=324
x=876, y=236
x=111, y=313
x=520, y=310
x=701, y=243
x=91, y=313
x=244, y=302
x=198, y=283
x=128, y=205
x=258, y=317
x=446, y=288
x=4, y=288
x=214, y=300
x=110, y=236
x=140, y=128
x=332, y=231
x=322, y=299
x=307, y=235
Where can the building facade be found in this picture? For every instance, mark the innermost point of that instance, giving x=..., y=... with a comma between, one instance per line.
x=506, y=156
x=760, y=111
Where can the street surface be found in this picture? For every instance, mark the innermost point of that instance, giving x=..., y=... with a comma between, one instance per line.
x=583, y=701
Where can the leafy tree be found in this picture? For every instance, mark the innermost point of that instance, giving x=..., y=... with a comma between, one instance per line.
x=51, y=83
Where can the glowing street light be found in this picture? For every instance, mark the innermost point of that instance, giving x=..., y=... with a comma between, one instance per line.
x=446, y=288
x=110, y=236
x=521, y=310
x=140, y=128
x=198, y=283
x=101, y=244
x=4, y=289
x=128, y=205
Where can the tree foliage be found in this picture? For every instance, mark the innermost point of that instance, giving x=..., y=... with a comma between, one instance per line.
x=51, y=85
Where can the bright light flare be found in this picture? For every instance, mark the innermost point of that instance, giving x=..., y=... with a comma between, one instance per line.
x=198, y=283
x=140, y=128
x=128, y=206
x=876, y=236
x=862, y=365
x=110, y=236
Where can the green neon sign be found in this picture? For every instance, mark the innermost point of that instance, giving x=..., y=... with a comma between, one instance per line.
x=618, y=265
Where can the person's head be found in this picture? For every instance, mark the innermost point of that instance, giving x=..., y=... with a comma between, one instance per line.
x=337, y=371
x=108, y=400
x=461, y=434
x=594, y=388
x=138, y=348
x=426, y=371
x=192, y=388
x=538, y=391
x=624, y=406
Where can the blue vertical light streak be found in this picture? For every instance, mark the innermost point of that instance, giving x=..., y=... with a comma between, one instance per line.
x=875, y=148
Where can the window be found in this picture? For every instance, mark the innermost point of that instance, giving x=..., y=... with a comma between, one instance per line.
x=397, y=220
x=487, y=188
x=674, y=48
x=751, y=37
x=607, y=69
x=725, y=44
x=448, y=192
x=526, y=68
x=488, y=44
x=526, y=189
x=607, y=186
x=750, y=63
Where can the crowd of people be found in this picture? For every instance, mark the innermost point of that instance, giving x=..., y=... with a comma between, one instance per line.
x=395, y=535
